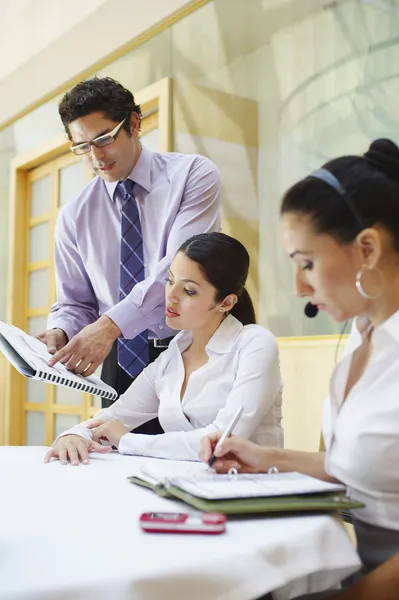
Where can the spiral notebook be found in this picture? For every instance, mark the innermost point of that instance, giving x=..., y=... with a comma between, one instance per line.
x=29, y=356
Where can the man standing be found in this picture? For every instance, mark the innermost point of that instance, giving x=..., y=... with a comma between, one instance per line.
x=115, y=241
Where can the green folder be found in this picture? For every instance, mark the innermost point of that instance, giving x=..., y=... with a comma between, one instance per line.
x=303, y=503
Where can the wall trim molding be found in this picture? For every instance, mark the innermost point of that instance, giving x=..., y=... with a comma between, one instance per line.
x=312, y=341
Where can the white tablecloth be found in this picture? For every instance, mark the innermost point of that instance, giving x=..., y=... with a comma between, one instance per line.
x=73, y=533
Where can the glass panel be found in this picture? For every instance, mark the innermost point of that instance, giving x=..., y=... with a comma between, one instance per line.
x=37, y=325
x=35, y=428
x=258, y=113
x=39, y=242
x=64, y=422
x=151, y=140
x=40, y=196
x=35, y=391
x=39, y=289
x=97, y=399
x=73, y=178
x=97, y=402
x=65, y=395
x=37, y=127
x=144, y=65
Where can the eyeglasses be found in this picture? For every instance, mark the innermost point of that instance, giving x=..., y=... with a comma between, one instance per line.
x=98, y=142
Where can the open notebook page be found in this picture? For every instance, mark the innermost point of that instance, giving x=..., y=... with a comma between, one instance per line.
x=160, y=471
x=210, y=486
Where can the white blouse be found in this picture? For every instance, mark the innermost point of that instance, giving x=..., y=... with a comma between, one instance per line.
x=362, y=434
x=243, y=369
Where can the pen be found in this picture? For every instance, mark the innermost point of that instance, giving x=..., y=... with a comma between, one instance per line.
x=226, y=434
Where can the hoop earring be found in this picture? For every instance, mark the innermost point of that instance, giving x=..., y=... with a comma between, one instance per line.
x=360, y=287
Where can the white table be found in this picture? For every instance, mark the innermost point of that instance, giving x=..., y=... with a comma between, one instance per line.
x=72, y=533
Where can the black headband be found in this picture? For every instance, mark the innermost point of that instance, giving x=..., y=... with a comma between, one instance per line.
x=335, y=184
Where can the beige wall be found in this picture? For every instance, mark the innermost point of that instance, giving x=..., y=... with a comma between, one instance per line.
x=3, y=419
x=306, y=367
x=22, y=27
x=54, y=42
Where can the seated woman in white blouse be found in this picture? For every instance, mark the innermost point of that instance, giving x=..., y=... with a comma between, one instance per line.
x=219, y=361
x=341, y=228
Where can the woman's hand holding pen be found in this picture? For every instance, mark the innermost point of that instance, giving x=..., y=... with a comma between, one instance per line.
x=237, y=453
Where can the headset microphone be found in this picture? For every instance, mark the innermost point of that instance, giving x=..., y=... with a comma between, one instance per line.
x=311, y=310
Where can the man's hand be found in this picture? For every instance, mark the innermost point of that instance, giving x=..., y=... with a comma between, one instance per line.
x=74, y=448
x=112, y=431
x=55, y=339
x=87, y=350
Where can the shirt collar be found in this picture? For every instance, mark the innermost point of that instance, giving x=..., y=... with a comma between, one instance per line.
x=360, y=324
x=140, y=174
x=222, y=340
x=391, y=326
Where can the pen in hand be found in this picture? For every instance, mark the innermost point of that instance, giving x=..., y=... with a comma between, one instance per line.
x=226, y=434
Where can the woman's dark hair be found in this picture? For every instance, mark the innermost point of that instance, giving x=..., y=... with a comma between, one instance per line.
x=224, y=261
x=100, y=94
x=371, y=186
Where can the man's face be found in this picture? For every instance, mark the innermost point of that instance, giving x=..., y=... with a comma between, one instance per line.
x=114, y=161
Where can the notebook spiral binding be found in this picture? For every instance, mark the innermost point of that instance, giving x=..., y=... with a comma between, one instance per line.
x=84, y=387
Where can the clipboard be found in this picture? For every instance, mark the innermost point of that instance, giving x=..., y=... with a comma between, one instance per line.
x=330, y=501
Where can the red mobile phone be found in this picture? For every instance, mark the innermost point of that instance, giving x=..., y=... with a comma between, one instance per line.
x=171, y=522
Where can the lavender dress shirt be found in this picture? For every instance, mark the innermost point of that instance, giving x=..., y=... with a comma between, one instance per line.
x=178, y=196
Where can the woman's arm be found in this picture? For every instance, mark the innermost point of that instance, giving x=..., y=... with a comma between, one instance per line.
x=136, y=406
x=309, y=463
x=380, y=584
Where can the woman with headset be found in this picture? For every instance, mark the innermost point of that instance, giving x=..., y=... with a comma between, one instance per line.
x=340, y=227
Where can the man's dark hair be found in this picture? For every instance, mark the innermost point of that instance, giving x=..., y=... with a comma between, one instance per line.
x=224, y=261
x=100, y=94
x=371, y=182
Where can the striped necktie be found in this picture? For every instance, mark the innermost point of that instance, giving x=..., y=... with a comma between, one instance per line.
x=133, y=355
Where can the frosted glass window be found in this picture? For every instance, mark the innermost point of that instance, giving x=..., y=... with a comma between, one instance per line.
x=63, y=422
x=97, y=399
x=35, y=391
x=40, y=196
x=39, y=288
x=37, y=325
x=35, y=429
x=151, y=140
x=65, y=395
x=39, y=242
x=73, y=178
x=97, y=402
